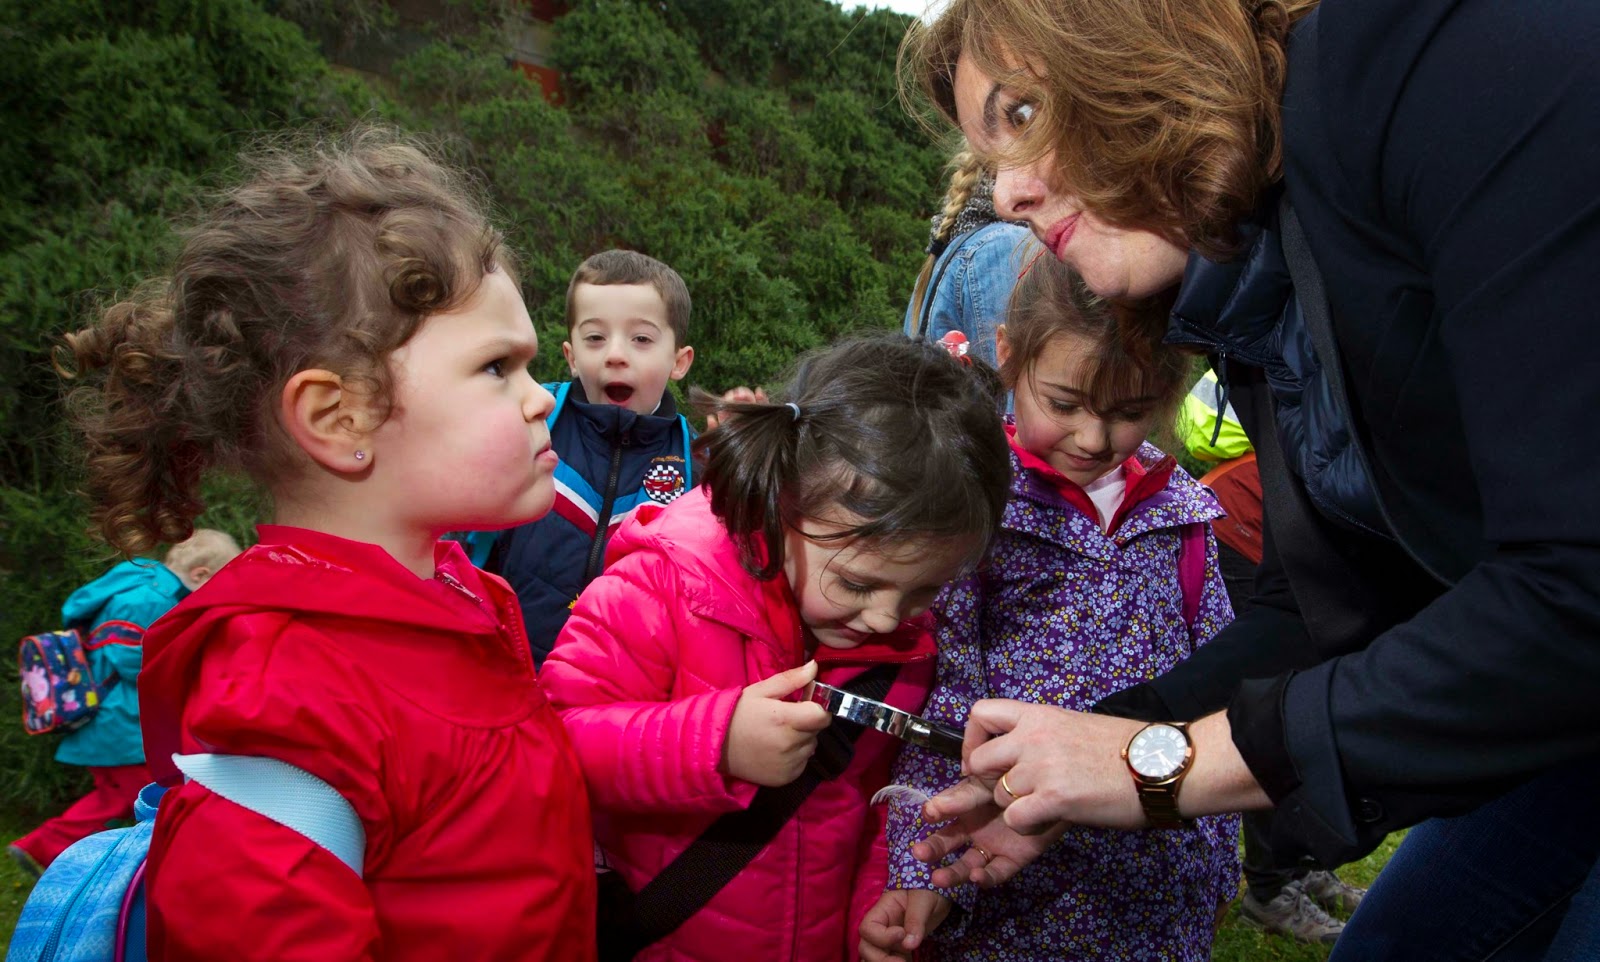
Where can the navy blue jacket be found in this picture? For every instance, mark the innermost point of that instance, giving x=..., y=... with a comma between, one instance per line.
x=612, y=461
x=1441, y=156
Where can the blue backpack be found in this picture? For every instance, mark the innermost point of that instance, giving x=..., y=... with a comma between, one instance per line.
x=89, y=905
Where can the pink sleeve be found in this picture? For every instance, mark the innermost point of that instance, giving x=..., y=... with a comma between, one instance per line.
x=872, y=877
x=611, y=677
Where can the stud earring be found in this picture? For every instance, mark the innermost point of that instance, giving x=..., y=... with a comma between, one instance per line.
x=361, y=455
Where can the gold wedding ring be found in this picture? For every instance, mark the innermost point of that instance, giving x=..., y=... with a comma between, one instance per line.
x=1007, y=786
x=987, y=858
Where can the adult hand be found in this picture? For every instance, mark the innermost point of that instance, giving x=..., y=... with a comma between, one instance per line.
x=994, y=853
x=896, y=926
x=770, y=739
x=1042, y=765
x=739, y=395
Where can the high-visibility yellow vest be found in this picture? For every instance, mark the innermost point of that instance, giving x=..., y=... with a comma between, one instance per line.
x=1197, y=423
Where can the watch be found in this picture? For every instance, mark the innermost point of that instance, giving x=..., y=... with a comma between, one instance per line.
x=1158, y=756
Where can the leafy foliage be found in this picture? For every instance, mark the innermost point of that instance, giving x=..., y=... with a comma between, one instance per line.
x=115, y=115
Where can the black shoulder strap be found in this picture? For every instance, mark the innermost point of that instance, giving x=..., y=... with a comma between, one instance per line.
x=732, y=842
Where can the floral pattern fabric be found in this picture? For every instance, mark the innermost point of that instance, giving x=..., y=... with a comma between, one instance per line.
x=1065, y=614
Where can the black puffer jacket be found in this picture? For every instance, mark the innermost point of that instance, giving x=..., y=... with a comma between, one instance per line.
x=1245, y=311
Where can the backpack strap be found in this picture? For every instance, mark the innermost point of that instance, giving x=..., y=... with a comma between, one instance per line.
x=1192, y=570
x=732, y=842
x=290, y=796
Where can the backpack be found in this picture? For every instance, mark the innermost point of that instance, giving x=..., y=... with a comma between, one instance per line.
x=89, y=905
x=59, y=692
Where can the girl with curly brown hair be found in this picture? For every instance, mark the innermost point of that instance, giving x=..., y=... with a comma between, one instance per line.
x=1379, y=220
x=345, y=328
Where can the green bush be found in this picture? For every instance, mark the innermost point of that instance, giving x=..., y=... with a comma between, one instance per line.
x=115, y=115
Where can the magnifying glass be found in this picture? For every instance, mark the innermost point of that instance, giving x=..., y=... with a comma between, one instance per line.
x=941, y=739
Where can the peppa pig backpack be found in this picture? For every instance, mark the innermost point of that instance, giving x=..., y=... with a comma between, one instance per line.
x=59, y=692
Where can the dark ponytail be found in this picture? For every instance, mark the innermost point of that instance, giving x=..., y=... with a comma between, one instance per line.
x=893, y=431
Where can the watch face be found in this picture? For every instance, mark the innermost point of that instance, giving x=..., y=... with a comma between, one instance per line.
x=1158, y=751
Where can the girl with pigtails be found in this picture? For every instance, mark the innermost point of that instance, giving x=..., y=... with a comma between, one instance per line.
x=826, y=523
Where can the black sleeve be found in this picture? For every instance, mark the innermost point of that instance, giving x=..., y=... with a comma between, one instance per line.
x=1267, y=639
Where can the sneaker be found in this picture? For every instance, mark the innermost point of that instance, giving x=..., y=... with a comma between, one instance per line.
x=1291, y=912
x=27, y=863
x=1332, y=892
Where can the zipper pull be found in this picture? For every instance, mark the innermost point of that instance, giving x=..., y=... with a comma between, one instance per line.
x=450, y=581
x=1221, y=397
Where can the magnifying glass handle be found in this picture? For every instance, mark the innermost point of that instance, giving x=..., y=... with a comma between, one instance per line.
x=937, y=738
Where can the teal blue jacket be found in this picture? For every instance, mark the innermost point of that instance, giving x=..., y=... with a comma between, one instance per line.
x=139, y=592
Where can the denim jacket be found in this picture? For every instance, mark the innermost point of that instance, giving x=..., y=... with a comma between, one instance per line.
x=971, y=285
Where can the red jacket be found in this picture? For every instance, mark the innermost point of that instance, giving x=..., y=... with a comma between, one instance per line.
x=414, y=698
x=647, y=673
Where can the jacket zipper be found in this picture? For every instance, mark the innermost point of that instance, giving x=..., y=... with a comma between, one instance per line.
x=602, y=523
x=518, y=642
x=450, y=581
x=53, y=942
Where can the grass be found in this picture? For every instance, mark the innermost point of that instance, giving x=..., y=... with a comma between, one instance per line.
x=14, y=886
x=1240, y=942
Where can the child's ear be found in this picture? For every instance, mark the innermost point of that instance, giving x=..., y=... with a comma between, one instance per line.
x=328, y=421
x=680, y=364
x=1002, y=347
x=566, y=352
x=198, y=575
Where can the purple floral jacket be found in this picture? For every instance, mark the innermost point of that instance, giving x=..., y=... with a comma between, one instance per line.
x=1064, y=614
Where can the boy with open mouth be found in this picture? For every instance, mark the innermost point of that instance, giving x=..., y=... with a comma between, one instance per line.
x=616, y=428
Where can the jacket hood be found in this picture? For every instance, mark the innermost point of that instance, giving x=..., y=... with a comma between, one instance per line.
x=309, y=572
x=1160, y=496
x=1158, y=492
x=297, y=572
x=86, y=602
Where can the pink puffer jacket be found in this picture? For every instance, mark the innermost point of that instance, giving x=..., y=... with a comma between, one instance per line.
x=646, y=675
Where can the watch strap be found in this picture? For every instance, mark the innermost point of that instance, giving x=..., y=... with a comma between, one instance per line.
x=1161, y=805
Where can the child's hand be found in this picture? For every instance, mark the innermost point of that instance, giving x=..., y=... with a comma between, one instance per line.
x=769, y=739
x=739, y=395
x=896, y=926
x=994, y=853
